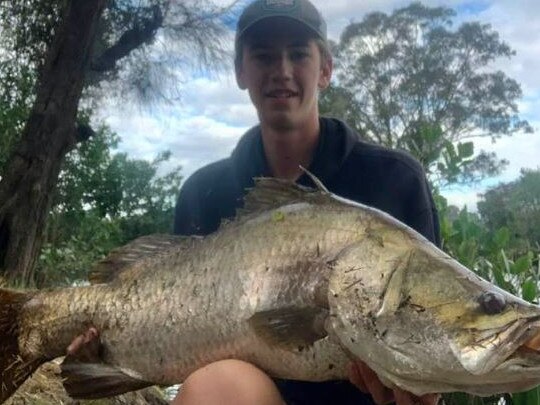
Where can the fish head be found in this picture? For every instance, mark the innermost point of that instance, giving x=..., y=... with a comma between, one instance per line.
x=424, y=322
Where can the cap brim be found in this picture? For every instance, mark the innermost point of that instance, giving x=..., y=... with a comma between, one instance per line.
x=292, y=19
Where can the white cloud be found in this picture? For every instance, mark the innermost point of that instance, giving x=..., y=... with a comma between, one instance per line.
x=463, y=197
x=518, y=24
x=220, y=99
x=194, y=140
x=521, y=150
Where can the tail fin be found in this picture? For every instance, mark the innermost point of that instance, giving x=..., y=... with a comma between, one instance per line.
x=14, y=369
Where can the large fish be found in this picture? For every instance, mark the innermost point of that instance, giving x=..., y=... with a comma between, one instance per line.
x=298, y=283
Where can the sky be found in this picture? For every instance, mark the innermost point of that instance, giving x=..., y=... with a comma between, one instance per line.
x=213, y=113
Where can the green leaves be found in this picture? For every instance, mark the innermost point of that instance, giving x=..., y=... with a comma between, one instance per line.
x=465, y=150
x=515, y=205
x=501, y=238
x=522, y=264
x=102, y=201
x=458, y=398
x=455, y=160
x=526, y=398
x=529, y=290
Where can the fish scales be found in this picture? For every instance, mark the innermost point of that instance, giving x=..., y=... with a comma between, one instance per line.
x=297, y=284
x=192, y=327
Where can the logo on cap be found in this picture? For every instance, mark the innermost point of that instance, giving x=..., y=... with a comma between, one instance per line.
x=279, y=4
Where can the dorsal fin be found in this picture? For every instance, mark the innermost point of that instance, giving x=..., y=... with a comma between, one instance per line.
x=270, y=193
x=123, y=258
x=320, y=186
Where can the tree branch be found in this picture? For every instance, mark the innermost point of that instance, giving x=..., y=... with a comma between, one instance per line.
x=83, y=132
x=142, y=32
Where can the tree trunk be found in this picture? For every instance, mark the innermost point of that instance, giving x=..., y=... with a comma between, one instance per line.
x=31, y=174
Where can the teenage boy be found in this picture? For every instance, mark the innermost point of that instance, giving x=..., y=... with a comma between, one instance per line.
x=283, y=61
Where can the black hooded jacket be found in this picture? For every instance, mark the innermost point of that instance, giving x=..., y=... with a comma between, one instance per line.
x=386, y=179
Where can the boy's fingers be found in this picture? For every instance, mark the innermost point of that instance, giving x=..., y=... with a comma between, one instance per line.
x=406, y=398
x=85, y=346
x=430, y=399
x=355, y=376
x=380, y=393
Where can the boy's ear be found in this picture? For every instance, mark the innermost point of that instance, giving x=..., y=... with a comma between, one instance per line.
x=326, y=73
x=240, y=81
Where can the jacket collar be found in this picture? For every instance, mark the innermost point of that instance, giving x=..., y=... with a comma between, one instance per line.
x=336, y=141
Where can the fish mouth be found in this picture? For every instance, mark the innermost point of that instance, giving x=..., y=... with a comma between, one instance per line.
x=525, y=357
x=526, y=353
x=517, y=344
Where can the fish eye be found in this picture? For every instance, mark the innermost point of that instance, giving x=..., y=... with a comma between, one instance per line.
x=492, y=303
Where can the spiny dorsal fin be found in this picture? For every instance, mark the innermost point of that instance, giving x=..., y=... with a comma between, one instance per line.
x=270, y=193
x=292, y=327
x=320, y=186
x=127, y=256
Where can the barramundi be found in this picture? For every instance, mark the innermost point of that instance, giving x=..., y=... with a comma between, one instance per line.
x=300, y=282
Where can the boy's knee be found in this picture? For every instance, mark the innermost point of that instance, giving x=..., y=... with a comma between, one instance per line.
x=229, y=382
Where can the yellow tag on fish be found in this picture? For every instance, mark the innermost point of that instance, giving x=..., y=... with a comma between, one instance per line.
x=278, y=216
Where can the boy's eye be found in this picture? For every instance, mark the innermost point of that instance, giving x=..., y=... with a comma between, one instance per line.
x=262, y=56
x=294, y=55
x=299, y=55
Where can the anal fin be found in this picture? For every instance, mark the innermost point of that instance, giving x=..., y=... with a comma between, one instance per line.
x=86, y=376
x=98, y=380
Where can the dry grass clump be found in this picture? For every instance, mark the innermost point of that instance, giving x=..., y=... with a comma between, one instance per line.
x=45, y=388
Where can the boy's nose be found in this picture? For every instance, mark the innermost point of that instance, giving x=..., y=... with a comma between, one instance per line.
x=282, y=69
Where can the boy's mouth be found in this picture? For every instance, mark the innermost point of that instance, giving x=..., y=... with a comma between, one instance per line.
x=281, y=93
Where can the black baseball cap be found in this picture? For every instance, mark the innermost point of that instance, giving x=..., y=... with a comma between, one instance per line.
x=302, y=11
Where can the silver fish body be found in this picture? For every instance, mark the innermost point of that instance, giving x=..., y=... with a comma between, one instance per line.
x=297, y=285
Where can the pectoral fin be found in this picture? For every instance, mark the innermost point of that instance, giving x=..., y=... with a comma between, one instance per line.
x=291, y=327
x=392, y=295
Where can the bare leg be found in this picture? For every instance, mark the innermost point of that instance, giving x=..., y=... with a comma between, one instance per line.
x=228, y=382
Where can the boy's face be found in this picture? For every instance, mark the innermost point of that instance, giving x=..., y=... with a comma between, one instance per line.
x=282, y=69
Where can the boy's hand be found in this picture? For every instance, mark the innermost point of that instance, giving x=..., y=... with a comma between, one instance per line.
x=368, y=382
